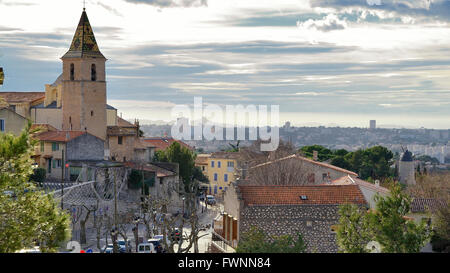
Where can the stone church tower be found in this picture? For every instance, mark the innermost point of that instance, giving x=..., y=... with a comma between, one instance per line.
x=84, y=83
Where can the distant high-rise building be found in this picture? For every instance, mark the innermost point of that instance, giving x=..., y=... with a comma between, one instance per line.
x=373, y=124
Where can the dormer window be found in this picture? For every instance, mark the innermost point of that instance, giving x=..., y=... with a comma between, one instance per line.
x=93, y=73
x=72, y=72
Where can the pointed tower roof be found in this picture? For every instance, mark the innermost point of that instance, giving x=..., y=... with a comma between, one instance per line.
x=84, y=43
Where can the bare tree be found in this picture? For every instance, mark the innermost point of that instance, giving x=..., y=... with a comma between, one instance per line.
x=280, y=167
x=83, y=221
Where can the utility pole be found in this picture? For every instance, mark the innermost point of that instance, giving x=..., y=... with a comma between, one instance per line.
x=115, y=216
x=62, y=178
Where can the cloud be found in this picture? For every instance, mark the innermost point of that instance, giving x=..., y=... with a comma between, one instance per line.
x=327, y=23
x=171, y=3
x=437, y=9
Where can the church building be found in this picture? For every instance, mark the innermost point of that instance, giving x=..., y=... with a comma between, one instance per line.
x=75, y=104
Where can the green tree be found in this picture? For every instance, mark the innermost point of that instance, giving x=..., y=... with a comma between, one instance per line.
x=323, y=153
x=27, y=215
x=387, y=225
x=257, y=241
x=199, y=175
x=185, y=158
x=353, y=231
x=395, y=232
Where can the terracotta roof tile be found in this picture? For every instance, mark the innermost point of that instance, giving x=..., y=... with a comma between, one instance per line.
x=291, y=195
x=322, y=164
x=59, y=136
x=162, y=143
x=17, y=97
x=426, y=204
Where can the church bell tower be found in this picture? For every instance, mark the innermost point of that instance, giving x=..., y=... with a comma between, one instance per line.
x=84, y=83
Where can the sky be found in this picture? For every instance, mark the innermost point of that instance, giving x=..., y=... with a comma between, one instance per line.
x=324, y=62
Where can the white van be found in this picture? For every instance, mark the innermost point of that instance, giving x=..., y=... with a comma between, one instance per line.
x=146, y=248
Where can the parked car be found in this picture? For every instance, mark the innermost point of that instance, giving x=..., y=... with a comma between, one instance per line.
x=123, y=246
x=210, y=200
x=157, y=243
x=146, y=248
x=108, y=248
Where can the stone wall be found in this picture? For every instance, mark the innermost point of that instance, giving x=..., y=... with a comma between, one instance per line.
x=283, y=220
x=86, y=147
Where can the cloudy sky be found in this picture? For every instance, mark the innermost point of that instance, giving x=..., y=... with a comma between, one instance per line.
x=326, y=62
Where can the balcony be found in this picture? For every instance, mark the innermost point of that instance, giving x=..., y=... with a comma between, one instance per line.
x=220, y=243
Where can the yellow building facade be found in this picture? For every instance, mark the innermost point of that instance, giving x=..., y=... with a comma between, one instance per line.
x=221, y=171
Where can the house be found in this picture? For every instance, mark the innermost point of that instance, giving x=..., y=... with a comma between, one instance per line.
x=368, y=189
x=162, y=143
x=77, y=147
x=163, y=182
x=220, y=170
x=11, y=122
x=295, y=170
x=285, y=210
x=201, y=161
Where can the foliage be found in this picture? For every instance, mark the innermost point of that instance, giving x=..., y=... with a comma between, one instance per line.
x=257, y=241
x=39, y=175
x=373, y=162
x=135, y=179
x=442, y=223
x=185, y=158
x=386, y=225
x=427, y=158
x=353, y=229
x=323, y=153
x=199, y=175
x=28, y=216
x=234, y=148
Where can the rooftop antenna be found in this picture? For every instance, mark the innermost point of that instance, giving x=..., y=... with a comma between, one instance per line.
x=84, y=5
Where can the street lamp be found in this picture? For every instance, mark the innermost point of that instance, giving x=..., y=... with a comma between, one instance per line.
x=183, y=205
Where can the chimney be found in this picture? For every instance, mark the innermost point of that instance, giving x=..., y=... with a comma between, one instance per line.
x=315, y=155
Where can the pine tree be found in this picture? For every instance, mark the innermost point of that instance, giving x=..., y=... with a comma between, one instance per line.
x=27, y=216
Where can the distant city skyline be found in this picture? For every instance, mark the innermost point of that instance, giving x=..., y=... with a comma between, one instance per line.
x=324, y=62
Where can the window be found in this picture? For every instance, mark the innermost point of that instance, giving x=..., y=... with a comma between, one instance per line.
x=93, y=73
x=72, y=72
x=218, y=164
x=309, y=223
x=225, y=177
x=120, y=140
x=55, y=146
x=2, y=125
x=42, y=146
x=92, y=113
x=56, y=163
x=230, y=164
x=203, y=168
x=215, y=177
x=212, y=164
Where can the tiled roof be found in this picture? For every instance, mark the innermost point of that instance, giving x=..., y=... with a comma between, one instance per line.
x=84, y=43
x=426, y=204
x=17, y=97
x=322, y=164
x=202, y=159
x=348, y=180
x=121, y=131
x=124, y=123
x=59, y=136
x=43, y=127
x=227, y=155
x=291, y=195
x=160, y=172
x=162, y=143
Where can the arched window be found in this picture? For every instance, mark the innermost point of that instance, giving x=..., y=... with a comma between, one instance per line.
x=72, y=72
x=92, y=113
x=93, y=73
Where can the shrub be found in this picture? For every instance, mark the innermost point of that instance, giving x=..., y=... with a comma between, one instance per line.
x=39, y=175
